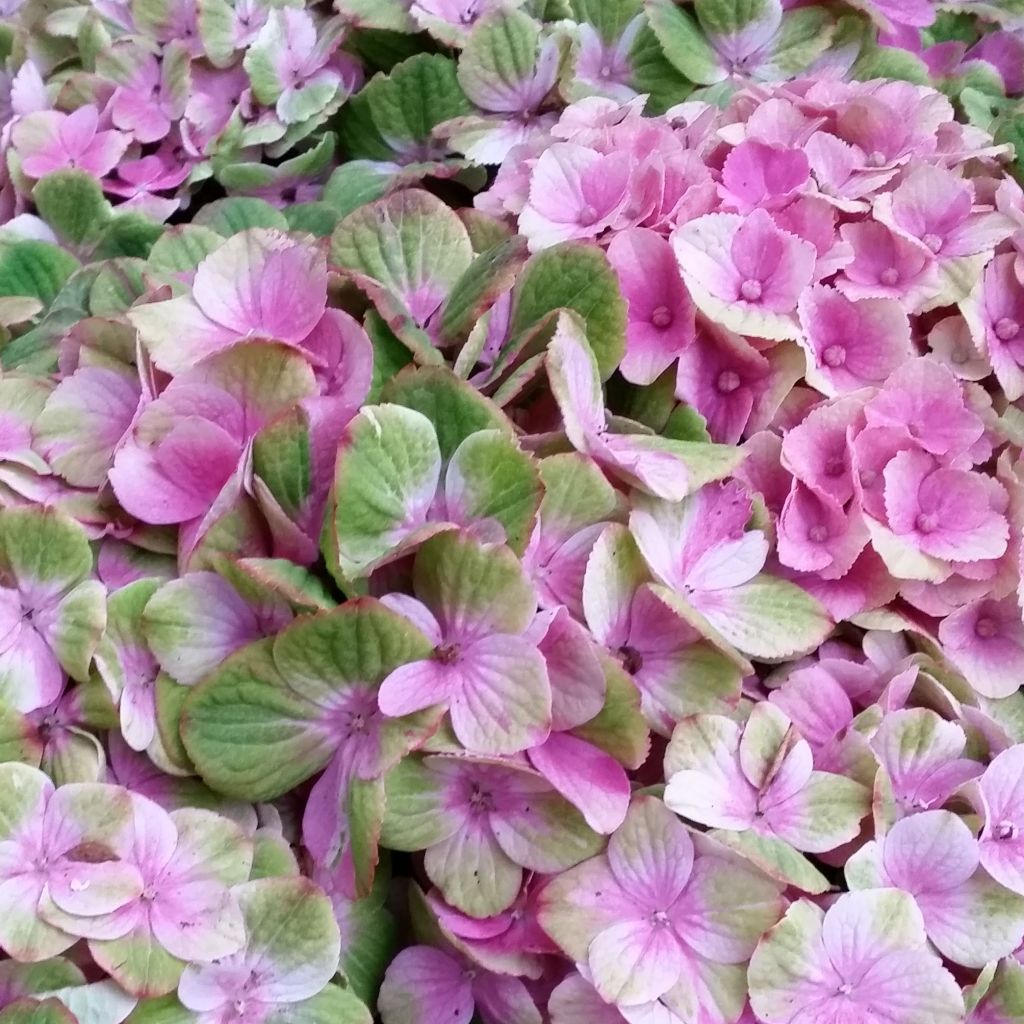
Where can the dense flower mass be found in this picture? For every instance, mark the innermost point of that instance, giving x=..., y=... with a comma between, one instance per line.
x=511, y=511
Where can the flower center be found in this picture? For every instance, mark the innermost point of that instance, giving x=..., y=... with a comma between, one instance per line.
x=926, y=522
x=1006, y=830
x=632, y=660
x=1007, y=328
x=588, y=215
x=985, y=627
x=606, y=71
x=844, y=989
x=876, y=158
x=834, y=355
x=751, y=290
x=446, y=653
x=934, y=242
x=659, y=919
x=662, y=317
x=818, y=533
x=728, y=381
x=480, y=801
x=836, y=466
x=889, y=276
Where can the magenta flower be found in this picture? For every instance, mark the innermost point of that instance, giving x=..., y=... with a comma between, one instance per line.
x=604, y=67
x=653, y=916
x=744, y=272
x=996, y=318
x=933, y=856
x=851, y=343
x=423, y=985
x=482, y=825
x=258, y=284
x=72, y=841
x=760, y=777
x=726, y=380
x=864, y=958
x=185, y=910
x=985, y=640
x=922, y=758
x=575, y=192
x=661, y=314
x=936, y=208
x=49, y=141
x=758, y=176
x=658, y=466
x=945, y=513
x=492, y=678
x=188, y=443
x=1001, y=789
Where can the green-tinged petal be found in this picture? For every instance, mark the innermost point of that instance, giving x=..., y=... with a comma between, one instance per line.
x=387, y=473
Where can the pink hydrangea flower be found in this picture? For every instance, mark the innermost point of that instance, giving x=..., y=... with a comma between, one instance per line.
x=866, y=956
x=49, y=141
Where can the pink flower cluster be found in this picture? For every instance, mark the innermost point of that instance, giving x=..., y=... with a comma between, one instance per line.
x=175, y=94
x=599, y=603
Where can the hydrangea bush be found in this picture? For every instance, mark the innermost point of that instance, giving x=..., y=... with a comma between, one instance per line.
x=511, y=512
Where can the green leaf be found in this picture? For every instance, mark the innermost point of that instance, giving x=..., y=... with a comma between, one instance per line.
x=33, y=268
x=492, y=273
x=183, y=248
x=389, y=354
x=776, y=859
x=418, y=94
x=655, y=75
x=387, y=472
x=317, y=219
x=501, y=52
x=609, y=17
x=32, y=1011
x=455, y=409
x=72, y=203
x=229, y=216
x=684, y=43
x=619, y=729
x=491, y=478
x=391, y=15
x=260, y=724
x=117, y=285
x=890, y=62
x=406, y=252
x=354, y=184
x=575, y=276
x=128, y=234
x=248, y=734
x=728, y=17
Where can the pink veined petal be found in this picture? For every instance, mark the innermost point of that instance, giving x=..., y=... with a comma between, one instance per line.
x=503, y=701
x=930, y=852
x=661, y=313
x=730, y=564
x=861, y=928
x=591, y=780
x=651, y=855
x=424, y=985
x=418, y=685
x=417, y=613
x=91, y=890
x=197, y=920
x=323, y=823
x=500, y=997
x=635, y=962
x=30, y=675
x=205, y=987
x=138, y=714
x=265, y=284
